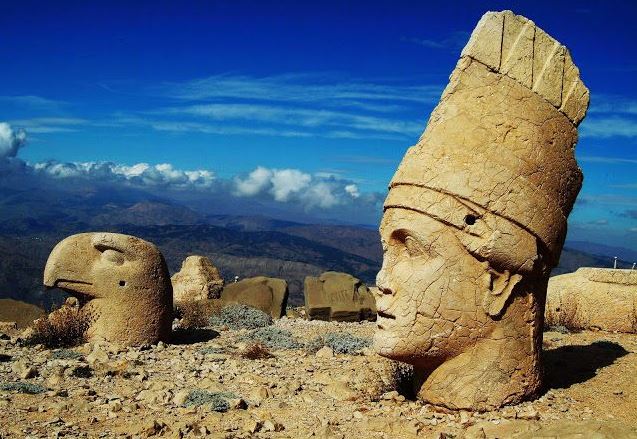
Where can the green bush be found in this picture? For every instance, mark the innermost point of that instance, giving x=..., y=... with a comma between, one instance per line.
x=241, y=317
x=217, y=401
x=274, y=338
x=340, y=342
x=20, y=387
x=65, y=354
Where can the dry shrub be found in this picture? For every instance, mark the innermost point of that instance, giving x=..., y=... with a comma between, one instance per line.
x=256, y=351
x=65, y=327
x=193, y=314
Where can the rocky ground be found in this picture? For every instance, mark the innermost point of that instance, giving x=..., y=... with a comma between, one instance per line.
x=98, y=390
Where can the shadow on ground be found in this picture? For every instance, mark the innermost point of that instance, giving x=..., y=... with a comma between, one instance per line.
x=190, y=336
x=568, y=365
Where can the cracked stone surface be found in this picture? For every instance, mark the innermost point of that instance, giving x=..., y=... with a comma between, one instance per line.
x=269, y=294
x=121, y=282
x=198, y=279
x=476, y=218
x=339, y=297
x=593, y=298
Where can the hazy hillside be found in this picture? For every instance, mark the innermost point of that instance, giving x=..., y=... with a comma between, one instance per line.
x=32, y=222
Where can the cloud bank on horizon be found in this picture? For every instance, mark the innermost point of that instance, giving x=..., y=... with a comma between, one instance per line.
x=291, y=188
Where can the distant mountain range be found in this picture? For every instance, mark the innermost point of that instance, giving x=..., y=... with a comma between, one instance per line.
x=32, y=222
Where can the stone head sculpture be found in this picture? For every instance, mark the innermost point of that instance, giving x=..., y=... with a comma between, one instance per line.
x=122, y=284
x=476, y=218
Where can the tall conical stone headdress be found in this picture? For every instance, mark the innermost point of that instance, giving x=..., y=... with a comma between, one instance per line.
x=504, y=132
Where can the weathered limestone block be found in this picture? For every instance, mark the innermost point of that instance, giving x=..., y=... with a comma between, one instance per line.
x=197, y=280
x=268, y=294
x=338, y=297
x=121, y=282
x=476, y=218
x=593, y=298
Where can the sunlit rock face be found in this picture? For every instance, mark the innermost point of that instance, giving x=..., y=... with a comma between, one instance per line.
x=476, y=218
x=197, y=280
x=593, y=298
x=122, y=284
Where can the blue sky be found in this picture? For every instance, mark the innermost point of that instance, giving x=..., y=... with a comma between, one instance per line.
x=332, y=92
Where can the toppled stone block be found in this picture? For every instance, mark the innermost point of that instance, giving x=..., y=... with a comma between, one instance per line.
x=593, y=298
x=197, y=280
x=268, y=294
x=337, y=296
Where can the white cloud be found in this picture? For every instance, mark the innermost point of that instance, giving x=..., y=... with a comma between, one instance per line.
x=607, y=160
x=10, y=140
x=609, y=127
x=340, y=123
x=141, y=174
x=324, y=88
x=257, y=181
x=287, y=182
x=352, y=189
x=50, y=124
x=321, y=190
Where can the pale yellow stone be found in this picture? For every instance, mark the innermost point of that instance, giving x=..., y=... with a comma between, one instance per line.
x=485, y=43
x=122, y=281
x=575, y=95
x=593, y=298
x=475, y=220
x=548, y=67
x=197, y=280
x=338, y=297
x=517, y=49
x=268, y=294
x=513, y=45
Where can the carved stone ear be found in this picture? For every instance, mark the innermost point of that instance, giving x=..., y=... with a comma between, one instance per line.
x=500, y=289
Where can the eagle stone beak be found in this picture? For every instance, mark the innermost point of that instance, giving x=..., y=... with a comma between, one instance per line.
x=69, y=266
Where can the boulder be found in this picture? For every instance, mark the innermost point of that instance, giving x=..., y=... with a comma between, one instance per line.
x=268, y=294
x=121, y=282
x=593, y=298
x=22, y=313
x=337, y=296
x=197, y=280
x=564, y=428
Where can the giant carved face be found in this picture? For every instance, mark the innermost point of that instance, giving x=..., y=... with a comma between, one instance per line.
x=429, y=290
x=446, y=278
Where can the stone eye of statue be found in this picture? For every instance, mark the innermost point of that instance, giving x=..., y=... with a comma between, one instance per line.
x=113, y=256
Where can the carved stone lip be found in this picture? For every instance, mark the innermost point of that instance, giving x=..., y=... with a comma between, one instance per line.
x=385, y=315
x=83, y=290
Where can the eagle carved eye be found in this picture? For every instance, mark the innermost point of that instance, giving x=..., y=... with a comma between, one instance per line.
x=113, y=256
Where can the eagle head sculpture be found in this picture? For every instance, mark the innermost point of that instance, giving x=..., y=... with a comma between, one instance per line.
x=121, y=282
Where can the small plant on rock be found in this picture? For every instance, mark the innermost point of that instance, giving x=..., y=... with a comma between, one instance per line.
x=64, y=327
x=256, y=351
x=20, y=387
x=65, y=354
x=217, y=401
x=241, y=317
x=274, y=338
x=194, y=314
x=340, y=342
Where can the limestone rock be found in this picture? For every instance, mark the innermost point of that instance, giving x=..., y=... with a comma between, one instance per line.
x=607, y=429
x=337, y=296
x=475, y=219
x=593, y=298
x=268, y=294
x=8, y=326
x=122, y=283
x=197, y=280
